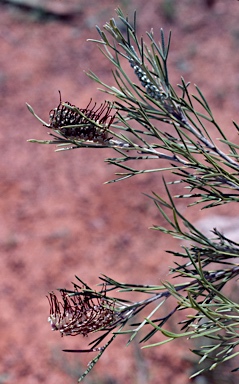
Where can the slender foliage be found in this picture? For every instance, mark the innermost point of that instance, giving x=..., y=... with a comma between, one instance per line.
x=133, y=126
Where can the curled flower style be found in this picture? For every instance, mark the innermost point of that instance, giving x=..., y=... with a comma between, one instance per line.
x=88, y=124
x=80, y=314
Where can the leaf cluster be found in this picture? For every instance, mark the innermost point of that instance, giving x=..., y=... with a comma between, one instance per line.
x=156, y=124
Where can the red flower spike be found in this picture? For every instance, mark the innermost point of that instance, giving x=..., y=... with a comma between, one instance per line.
x=76, y=315
x=90, y=124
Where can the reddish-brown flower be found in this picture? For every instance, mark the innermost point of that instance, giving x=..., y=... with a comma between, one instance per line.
x=80, y=314
x=88, y=124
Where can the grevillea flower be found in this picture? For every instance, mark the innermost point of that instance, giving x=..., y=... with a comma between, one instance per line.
x=156, y=93
x=79, y=313
x=88, y=124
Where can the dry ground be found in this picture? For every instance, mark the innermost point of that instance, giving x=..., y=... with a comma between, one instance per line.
x=57, y=217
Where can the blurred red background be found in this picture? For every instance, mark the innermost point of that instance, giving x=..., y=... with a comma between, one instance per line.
x=57, y=219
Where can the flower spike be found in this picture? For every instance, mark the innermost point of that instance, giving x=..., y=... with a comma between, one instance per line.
x=80, y=313
x=88, y=124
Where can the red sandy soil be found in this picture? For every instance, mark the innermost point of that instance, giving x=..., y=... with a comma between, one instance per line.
x=58, y=219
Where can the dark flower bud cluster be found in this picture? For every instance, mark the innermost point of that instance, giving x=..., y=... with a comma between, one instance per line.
x=77, y=314
x=156, y=92
x=88, y=124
